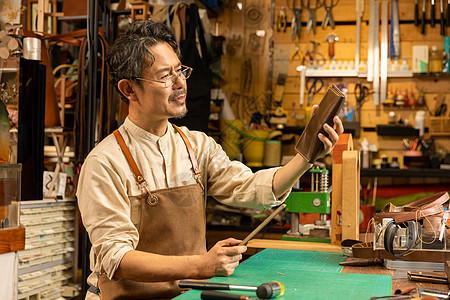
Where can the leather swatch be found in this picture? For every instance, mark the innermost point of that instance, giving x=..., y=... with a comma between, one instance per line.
x=309, y=145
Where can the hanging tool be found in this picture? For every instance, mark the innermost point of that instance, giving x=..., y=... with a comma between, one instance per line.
x=296, y=23
x=442, y=18
x=422, y=22
x=282, y=20
x=359, y=13
x=328, y=19
x=302, y=70
x=314, y=85
x=311, y=23
x=295, y=54
x=273, y=289
x=416, y=13
x=384, y=52
x=432, y=14
x=361, y=94
x=448, y=14
x=331, y=39
x=394, y=45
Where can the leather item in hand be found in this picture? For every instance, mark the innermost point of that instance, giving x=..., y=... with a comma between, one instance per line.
x=309, y=146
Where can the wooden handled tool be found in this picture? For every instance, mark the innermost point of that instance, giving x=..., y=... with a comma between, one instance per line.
x=261, y=226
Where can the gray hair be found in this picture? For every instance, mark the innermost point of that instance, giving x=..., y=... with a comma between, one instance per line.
x=130, y=53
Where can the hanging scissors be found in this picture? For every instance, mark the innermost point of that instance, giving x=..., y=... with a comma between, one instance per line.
x=329, y=20
x=312, y=15
x=314, y=85
x=296, y=23
x=361, y=94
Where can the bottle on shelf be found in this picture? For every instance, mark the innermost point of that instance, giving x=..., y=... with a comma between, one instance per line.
x=399, y=100
x=362, y=66
x=395, y=66
x=406, y=98
x=333, y=65
x=412, y=98
x=435, y=65
x=395, y=164
x=390, y=98
x=421, y=98
x=405, y=66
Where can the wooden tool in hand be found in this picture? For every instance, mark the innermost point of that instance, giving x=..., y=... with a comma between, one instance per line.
x=261, y=226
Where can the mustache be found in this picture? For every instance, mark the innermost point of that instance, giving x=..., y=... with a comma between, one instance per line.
x=177, y=94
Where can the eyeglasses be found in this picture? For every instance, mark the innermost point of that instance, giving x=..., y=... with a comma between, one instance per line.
x=184, y=74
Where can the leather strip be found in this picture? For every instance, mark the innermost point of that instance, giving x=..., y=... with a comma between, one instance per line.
x=129, y=157
x=190, y=150
x=433, y=207
x=135, y=168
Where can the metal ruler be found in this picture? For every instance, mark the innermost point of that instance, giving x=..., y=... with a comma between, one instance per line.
x=373, y=61
x=359, y=14
x=384, y=52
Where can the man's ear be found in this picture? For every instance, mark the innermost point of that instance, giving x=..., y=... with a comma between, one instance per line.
x=126, y=88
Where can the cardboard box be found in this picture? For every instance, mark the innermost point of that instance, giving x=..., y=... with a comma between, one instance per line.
x=420, y=59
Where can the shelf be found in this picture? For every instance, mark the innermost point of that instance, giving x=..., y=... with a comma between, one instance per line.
x=351, y=73
x=392, y=130
x=431, y=173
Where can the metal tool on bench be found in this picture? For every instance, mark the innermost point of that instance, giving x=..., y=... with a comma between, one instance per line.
x=311, y=23
x=273, y=289
x=315, y=201
x=328, y=19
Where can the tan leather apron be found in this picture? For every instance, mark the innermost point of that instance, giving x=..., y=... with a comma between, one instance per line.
x=172, y=223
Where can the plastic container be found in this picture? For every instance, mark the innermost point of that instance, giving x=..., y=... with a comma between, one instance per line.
x=420, y=122
x=254, y=147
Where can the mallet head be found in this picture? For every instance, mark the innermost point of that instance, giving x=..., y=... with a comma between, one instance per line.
x=273, y=289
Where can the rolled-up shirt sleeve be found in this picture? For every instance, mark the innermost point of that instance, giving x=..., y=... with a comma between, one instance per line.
x=105, y=210
x=233, y=183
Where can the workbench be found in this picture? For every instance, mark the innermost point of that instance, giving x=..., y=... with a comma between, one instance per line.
x=313, y=275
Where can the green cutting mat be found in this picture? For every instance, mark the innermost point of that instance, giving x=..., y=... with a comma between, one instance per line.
x=305, y=275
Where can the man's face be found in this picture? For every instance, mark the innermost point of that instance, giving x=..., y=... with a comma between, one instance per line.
x=154, y=100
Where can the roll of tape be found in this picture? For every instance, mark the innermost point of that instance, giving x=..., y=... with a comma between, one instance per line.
x=32, y=48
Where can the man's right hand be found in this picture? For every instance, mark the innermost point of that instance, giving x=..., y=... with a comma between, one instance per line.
x=223, y=258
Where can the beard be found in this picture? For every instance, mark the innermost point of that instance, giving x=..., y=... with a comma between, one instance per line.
x=172, y=98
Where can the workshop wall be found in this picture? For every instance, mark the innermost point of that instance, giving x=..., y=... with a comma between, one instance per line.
x=274, y=59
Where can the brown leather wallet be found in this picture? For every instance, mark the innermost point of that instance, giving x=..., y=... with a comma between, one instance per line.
x=309, y=145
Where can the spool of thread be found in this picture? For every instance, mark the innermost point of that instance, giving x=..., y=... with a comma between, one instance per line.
x=32, y=48
x=272, y=153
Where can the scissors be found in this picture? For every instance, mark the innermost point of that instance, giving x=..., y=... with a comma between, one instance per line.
x=329, y=20
x=361, y=94
x=313, y=88
x=296, y=23
x=312, y=15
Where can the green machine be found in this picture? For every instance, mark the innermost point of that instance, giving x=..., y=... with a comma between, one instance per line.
x=315, y=201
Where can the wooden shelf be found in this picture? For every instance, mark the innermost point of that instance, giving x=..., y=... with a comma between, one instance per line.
x=431, y=173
